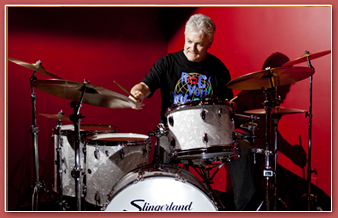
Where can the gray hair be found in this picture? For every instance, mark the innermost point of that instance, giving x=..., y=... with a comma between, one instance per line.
x=201, y=24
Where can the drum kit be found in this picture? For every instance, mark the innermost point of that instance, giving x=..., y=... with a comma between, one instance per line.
x=100, y=166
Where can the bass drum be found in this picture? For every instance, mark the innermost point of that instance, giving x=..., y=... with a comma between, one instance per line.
x=163, y=188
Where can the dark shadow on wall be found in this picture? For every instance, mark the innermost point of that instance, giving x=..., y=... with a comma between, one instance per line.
x=290, y=186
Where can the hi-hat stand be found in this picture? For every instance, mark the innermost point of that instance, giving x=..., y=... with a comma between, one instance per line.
x=37, y=185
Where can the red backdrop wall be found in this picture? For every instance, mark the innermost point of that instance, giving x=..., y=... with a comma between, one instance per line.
x=104, y=44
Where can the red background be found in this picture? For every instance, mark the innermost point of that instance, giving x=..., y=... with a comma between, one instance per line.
x=106, y=44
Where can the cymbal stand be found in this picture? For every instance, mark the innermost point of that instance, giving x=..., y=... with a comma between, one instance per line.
x=76, y=172
x=309, y=170
x=267, y=172
x=34, y=129
x=59, y=162
x=276, y=118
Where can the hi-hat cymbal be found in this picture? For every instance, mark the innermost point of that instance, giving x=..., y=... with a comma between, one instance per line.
x=276, y=110
x=57, y=116
x=94, y=95
x=279, y=77
x=303, y=58
x=36, y=67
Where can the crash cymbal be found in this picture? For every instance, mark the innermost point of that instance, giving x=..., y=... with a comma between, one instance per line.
x=36, y=67
x=276, y=110
x=94, y=95
x=57, y=116
x=303, y=58
x=279, y=77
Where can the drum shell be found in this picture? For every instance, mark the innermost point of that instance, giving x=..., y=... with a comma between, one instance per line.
x=164, y=186
x=67, y=149
x=200, y=125
x=108, y=161
x=68, y=161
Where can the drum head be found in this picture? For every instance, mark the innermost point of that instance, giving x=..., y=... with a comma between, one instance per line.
x=166, y=190
x=118, y=139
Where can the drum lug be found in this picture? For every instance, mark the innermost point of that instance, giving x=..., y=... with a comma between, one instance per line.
x=220, y=112
x=84, y=191
x=202, y=114
x=122, y=154
x=171, y=121
x=107, y=153
x=97, y=153
x=97, y=198
x=173, y=142
x=144, y=150
x=205, y=138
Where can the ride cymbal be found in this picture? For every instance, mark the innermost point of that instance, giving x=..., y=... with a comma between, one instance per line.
x=270, y=78
x=276, y=110
x=94, y=95
x=36, y=67
x=304, y=57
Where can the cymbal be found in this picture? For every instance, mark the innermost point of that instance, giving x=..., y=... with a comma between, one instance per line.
x=249, y=126
x=94, y=95
x=57, y=116
x=279, y=77
x=303, y=58
x=276, y=110
x=36, y=67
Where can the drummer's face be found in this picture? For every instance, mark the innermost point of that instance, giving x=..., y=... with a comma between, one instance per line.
x=196, y=46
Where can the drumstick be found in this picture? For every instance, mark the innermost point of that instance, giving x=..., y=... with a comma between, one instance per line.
x=234, y=98
x=126, y=91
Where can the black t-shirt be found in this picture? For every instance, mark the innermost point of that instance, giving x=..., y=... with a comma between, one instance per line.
x=181, y=80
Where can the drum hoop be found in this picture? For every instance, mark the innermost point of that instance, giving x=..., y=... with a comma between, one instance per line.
x=109, y=129
x=211, y=150
x=121, y=142
x=189, y=104
x=156, y=172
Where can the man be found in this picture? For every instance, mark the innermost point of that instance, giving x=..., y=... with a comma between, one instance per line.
x=194, y=74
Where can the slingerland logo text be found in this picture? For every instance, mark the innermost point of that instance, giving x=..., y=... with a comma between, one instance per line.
x=142, y=205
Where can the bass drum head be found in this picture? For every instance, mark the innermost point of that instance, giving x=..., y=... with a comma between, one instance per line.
x=165, y=188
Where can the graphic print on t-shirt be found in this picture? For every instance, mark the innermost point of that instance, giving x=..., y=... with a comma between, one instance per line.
x=192, y=86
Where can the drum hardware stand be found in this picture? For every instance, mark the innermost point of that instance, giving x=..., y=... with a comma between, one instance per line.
x=34, y=129
x=310, y=197
x=204, y=172
x=276, y=118
x=160, y=131
x=267, y=172
x=76, y=172
x=59, y=162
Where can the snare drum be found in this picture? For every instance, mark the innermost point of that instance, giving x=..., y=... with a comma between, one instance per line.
x=160, y=188
x=68, y=153
x=201, y=129
x=108, y=158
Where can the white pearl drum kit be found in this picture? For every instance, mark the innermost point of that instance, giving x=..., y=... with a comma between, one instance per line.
x=99, y=165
